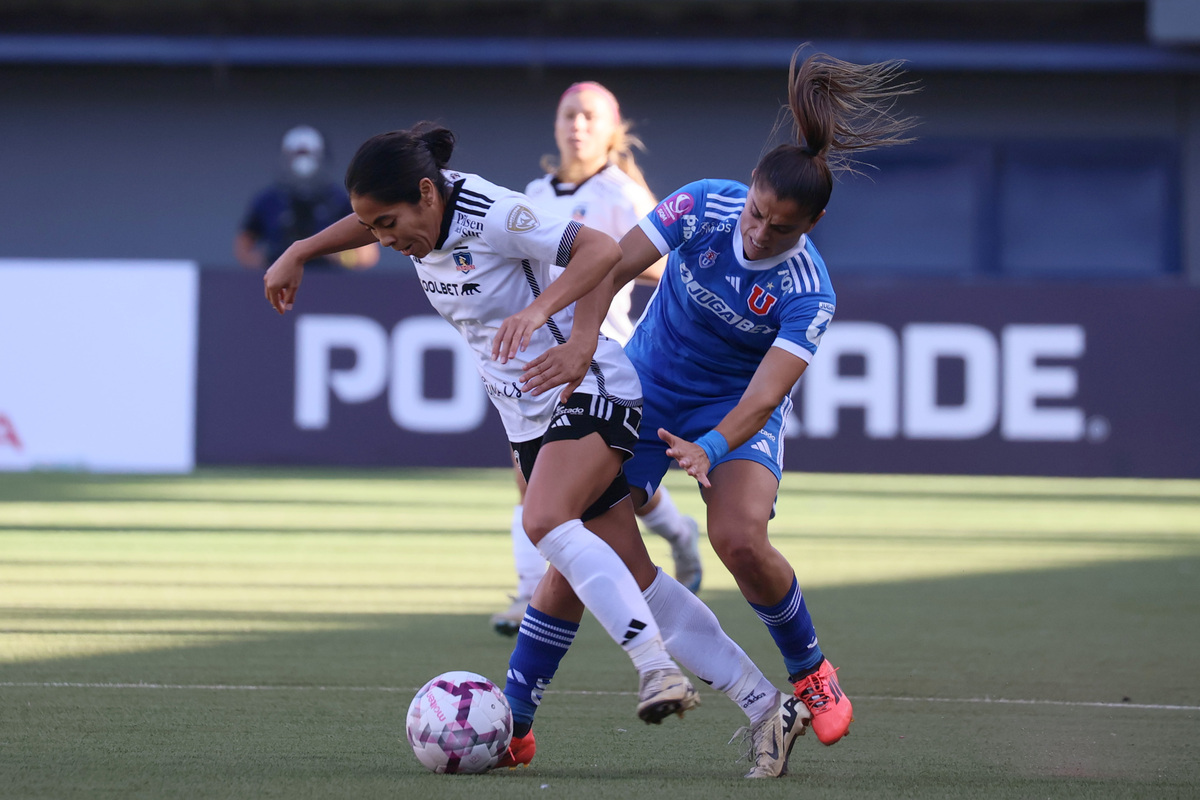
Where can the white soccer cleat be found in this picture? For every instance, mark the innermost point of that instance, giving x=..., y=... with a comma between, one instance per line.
x=508, y=621
x=771, y=740
x=686, y=552
x=664, y=692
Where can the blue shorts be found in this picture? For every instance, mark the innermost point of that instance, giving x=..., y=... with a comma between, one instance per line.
x=691, y=417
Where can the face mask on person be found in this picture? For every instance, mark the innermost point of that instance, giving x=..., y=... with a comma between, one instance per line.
x=304, y=165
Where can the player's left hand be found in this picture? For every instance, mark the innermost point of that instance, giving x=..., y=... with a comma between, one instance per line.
x=565, y=364
x=515, y=333
x=690, y=456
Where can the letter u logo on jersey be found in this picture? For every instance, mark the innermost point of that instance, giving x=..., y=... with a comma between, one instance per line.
x=760, y=301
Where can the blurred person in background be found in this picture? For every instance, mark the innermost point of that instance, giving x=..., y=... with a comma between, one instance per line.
x=301, y=202
x=595, y=180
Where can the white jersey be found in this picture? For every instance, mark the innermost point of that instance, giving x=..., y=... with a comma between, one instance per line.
x=609, y=201
x=494, y=255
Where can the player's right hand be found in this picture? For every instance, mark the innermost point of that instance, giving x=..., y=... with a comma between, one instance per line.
x=282, y=280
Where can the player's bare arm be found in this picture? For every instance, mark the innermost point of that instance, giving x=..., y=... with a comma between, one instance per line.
x=593, y=255
x=568, y=363
x=774, y=379
x=638, y=256
x=282, y=280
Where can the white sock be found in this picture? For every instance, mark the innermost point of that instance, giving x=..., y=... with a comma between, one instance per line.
x=665, y=520
x=608, y=590
x=695, y=639
x=530, y=564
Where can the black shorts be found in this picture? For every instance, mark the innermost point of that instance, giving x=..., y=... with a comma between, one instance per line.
x=581, y=415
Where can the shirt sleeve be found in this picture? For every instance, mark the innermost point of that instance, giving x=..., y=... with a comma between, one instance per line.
x=519, y=230
x=673, y=221
x=803, y=324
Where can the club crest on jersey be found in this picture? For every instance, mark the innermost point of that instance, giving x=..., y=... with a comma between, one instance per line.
x=580, y=213
x=760, y=301
x=708, y=258
x=521, y=220
x=674, y=207
x=463, y=261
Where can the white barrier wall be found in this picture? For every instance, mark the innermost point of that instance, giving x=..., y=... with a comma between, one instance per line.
x=98, y=365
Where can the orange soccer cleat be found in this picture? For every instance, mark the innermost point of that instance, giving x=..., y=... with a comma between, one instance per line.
x=830, y=708
x=519, y=753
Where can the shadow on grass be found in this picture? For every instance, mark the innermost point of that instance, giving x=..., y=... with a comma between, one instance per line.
x=910, y=654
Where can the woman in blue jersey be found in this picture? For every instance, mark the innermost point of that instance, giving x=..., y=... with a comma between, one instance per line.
x=739, y=312
x=527, y=269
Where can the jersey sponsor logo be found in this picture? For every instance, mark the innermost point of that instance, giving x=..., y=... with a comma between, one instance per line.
x=674, y=207
x=760, y=300
x=451, y=289
x=713, y=302
x=521, y=219
x=708, y=258
x=468, y=226
x=463, y=261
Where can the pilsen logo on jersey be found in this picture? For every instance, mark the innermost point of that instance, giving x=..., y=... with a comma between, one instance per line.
x=521, y=220
x=760, y=301
x=463, y=261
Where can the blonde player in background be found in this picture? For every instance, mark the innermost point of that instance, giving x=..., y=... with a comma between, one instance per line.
x=596, y=181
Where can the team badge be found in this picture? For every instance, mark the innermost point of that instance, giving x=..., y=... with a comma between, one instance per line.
x=463, y=261
x=580, y=213
x=760, y=301
x=521, y=220
x=708, y=259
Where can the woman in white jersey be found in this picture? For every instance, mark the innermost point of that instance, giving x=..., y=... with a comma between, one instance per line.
x=507, y=276
x=596, y=181
x=739, y=312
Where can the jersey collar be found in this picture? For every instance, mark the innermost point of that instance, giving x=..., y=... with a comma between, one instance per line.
x=562, y=189
x=448, y=214
x=763, y=263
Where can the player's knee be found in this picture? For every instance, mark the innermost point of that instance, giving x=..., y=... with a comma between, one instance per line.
x=539, y=520
x=742, y=556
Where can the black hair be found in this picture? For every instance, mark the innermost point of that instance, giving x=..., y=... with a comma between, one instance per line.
x=389, y=167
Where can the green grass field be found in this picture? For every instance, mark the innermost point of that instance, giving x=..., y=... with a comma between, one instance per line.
x=256, y=634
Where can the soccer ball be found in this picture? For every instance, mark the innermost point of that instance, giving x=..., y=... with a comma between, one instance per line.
x=459, y=722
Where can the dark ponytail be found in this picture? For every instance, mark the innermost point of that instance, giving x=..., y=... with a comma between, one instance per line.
x=837, y=108
x=389, y=167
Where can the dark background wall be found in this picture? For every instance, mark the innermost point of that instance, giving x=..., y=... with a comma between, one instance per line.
x=1048, y=127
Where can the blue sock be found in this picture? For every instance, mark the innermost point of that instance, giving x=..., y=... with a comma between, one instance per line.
x=792, y=629
x=542, y=642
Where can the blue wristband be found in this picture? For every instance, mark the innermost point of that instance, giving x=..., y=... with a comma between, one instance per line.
x=714, y=446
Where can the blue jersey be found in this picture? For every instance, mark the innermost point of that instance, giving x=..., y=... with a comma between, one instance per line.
x=715, y=314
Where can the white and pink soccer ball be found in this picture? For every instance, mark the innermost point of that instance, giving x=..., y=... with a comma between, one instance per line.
x=459, y=722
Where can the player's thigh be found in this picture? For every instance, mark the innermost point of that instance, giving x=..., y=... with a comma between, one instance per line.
x=740, y=503
x=568, y=477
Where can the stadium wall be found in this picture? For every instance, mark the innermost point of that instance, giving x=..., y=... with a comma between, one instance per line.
x=1097, y=380
x=161, y=163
